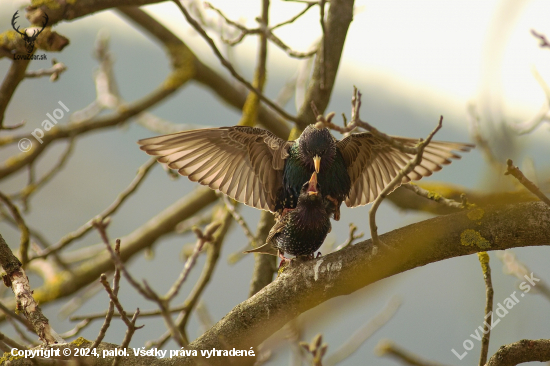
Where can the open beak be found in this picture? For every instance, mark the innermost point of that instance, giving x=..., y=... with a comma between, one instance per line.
x=317, y=163
x=312, y=188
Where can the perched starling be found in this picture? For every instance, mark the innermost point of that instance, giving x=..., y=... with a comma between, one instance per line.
x=300, y=231
x=257, y=168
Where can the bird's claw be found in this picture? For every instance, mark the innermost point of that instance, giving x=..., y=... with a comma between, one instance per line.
x=283, y=260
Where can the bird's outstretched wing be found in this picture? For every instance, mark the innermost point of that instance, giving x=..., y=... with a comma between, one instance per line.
x=372, y=163
x=245, y=163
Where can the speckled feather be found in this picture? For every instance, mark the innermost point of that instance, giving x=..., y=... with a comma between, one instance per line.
x=301, y=231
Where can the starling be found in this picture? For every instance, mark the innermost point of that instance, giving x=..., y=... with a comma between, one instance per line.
x=257, y=168
x=300, y=231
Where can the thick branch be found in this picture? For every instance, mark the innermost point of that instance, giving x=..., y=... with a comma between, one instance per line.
x=339, y=18
x=59, y=10
x=523, y=351
x=314, y=282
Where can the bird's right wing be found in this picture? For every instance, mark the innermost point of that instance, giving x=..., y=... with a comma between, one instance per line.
x=245, y=163
x=373, y=163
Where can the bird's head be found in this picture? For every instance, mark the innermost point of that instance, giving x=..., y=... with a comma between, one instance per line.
x=311, y=190
x=317, y=148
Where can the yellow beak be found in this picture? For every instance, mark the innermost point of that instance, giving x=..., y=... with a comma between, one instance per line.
x=317, y=163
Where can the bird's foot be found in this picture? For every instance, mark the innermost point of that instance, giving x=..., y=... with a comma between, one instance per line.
x=318, y=254
x=284, y=260
x=336, y=207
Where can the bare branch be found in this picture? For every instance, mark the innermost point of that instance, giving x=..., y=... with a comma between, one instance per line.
x=359, y=337
x=311, y=283
x=203, y=238
x=16, y=278
x=484, y=260
x=253, y=241
x=113, y=207
x=264, y=265
x=388, y=348
x=543, y=41
x=228, y=65
x=351, y=237
x=397, y=180
x=316, y=349
x=433, y=196
x=516, y=173
x=522, y=351
x=512, y=266
x=111, y=308
x=24, y=243
x=53, y=72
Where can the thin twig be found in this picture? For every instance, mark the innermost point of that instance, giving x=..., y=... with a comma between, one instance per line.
x=77, y=329
x=213, y=252
x=359, y=337
x=240, y=220
x=228, y=65
x=514, y=171
x=33, y=187
x=356, y=121
x=115, y=300
x=203, y=238
x=432, y=196
x=101, y=226
x=294, y=18
x=351, y=237
x=57, y=69
x=513, y=266
x=543, y=41
x=316, y=348
x=397, y=180
x=10, y=342
x=484, y=260
x=11, y=314
x=544, y=112
x=24, y=242
x=388, y=348
x=263, y=30
x=67, y=239
x=475, y=127
x=111, y=309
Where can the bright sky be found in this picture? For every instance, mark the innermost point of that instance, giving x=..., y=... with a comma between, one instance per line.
x=447, y=47
x=460, y=51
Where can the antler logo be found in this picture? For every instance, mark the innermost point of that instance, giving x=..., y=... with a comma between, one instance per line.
x=28, y=39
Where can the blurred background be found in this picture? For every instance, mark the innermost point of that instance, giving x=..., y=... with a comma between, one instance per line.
x=412, y=60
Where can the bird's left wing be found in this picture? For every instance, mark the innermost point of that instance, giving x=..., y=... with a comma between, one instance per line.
x=245, y=163
x=372, y=163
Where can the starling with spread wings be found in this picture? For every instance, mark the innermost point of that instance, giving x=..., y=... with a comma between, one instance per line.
x=259, y=169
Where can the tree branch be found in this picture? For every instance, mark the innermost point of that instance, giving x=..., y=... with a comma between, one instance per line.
x=340, y=15
x=522, y=351
x=311, y=283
